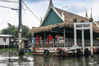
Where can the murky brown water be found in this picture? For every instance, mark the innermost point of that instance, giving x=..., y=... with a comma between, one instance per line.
x=11, y=59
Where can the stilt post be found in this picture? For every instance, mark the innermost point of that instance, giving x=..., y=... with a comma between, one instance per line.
x=83, y=45
x=64, y=38
x=75, y=35
x=91, y=38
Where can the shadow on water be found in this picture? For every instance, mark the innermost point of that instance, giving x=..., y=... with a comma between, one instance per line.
x=12, y=59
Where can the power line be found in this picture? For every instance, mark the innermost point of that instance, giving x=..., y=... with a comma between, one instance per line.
x=9, y=8
x=30, y=10
x=8, y=1
x=17, y=9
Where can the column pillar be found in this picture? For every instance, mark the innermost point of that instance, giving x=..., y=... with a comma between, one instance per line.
x=64, y=38
x=75, y=35
x=91, y=38
x=83, y=46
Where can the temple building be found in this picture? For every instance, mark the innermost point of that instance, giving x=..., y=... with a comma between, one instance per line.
x=59, y=22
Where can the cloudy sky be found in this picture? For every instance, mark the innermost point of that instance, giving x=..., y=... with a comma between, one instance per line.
x=39, y=7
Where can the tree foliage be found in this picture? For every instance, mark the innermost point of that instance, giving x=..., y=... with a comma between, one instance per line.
x=13, y=30
x=25, y=32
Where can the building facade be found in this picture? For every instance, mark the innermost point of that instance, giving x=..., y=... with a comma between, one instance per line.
x=60, y=23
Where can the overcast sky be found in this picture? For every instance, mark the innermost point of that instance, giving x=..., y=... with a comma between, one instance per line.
x=39, y=7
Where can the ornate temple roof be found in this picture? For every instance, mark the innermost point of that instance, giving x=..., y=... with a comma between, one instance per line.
x=66, y=22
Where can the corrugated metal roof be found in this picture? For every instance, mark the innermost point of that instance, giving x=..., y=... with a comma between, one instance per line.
x=3, y=35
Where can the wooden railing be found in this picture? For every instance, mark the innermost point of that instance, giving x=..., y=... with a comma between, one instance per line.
x=69, y=43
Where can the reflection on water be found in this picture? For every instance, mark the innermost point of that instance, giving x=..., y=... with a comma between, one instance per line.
x=56, y=61
x=11, y=59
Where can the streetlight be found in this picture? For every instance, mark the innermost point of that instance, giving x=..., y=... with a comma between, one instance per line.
x=63, y=17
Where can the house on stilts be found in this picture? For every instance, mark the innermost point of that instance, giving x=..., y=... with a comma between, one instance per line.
x=56, y=33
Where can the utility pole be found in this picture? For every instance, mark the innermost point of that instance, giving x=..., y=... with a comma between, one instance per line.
x=20, y=45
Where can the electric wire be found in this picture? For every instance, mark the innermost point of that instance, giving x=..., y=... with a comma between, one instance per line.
x=9, y=7
x=17, y=9
x=8, y=1
x=30, y=10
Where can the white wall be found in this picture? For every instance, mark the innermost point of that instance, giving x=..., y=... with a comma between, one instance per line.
x=2, y=42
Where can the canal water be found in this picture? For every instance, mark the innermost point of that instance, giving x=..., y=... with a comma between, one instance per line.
x=12, y=59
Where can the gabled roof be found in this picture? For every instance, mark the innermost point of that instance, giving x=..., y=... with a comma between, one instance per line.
x=51, y=6
x=68, y=15
x=68, y=20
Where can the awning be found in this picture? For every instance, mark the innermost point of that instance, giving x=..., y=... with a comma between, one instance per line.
x=50, y=27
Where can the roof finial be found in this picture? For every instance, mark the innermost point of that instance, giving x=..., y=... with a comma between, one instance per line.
x=91, y=14
x=86, y=14
x=51, y=3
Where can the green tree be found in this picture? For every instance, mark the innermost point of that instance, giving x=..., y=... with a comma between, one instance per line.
x=13, y=30
x=25, y=32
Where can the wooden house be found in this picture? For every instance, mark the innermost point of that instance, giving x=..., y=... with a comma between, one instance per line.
x=6, y=40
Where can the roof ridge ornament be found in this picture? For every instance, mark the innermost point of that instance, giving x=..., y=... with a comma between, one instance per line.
x=86, y=14
x=91, y=16
x=51, y=3
x=48, y=10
